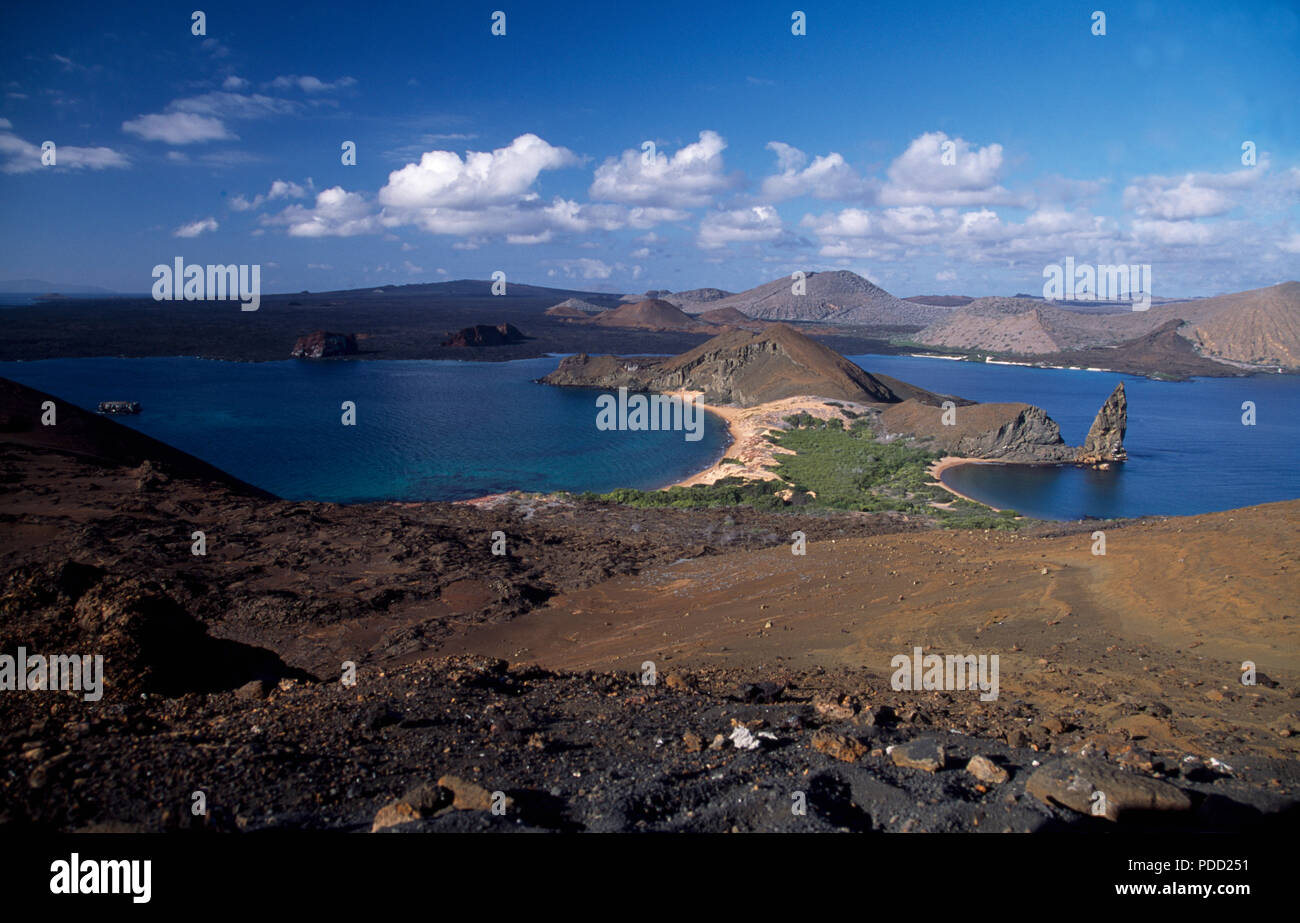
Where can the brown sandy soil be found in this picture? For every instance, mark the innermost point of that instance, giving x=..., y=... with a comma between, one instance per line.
x=1170, y=612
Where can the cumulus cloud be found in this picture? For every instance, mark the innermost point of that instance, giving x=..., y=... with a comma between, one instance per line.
x=742, y=225
x=18, y=155
x=1160, y=198
x=827, y=177
x=930, y=172
x=195, y=228
x=688, y=179
x=443, y=180
x=337, y=213
x=280, y=189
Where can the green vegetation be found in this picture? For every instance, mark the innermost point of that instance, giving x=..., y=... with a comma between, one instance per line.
x=834, y=467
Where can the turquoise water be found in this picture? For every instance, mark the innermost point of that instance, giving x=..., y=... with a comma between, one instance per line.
x=1188, y=450
x=426, y=430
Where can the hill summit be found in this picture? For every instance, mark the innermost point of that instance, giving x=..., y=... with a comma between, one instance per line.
x=840, y=297
x=743, y=367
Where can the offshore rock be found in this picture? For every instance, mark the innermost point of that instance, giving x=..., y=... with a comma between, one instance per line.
x=1105, y=442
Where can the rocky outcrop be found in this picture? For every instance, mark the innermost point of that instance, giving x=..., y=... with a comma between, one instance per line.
x=744, y=368
x=1105, y=442
x=324, y=345
x=1006, y=432
x=1019, y=433
x=485, y=335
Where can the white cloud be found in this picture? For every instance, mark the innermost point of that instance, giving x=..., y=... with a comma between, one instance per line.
x=337, y=213
x=195, y=228
x=280, y=189
x=742, y=225
x=921, y=175
x=828, y=177
x=1159, y=198
x=196, y=119
x=587, y=268
x=945, y=275
x=310, y=84
x=177, y=128
x=688, y=179
x=1172, y=233
x=18, y=155
x=443, y=180
x=1290, y=245
x=234, y=83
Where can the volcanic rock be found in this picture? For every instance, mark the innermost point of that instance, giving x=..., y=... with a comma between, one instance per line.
x=745, y=368
x=485, y=335
x=1105, y=442
x=919, y=754
x=987, y=771
x=838, y=746
x=1072, y=784
x=323, y=345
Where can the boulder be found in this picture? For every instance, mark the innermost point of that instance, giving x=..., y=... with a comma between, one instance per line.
x=323, y=345
x=1073, y=783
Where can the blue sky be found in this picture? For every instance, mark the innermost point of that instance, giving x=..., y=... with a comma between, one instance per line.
x=932, y=148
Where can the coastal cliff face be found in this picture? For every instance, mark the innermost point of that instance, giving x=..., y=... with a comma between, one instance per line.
x=1105, y=441
x=323, y=345
x=1006, y=432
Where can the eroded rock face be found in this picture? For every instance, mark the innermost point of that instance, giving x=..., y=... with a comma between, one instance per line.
x=1105, y=442
x=322, y=345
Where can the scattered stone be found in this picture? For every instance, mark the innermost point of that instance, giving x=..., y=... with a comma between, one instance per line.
x=839, y=746
x=875, y=716
x=694, y=742
x=252, y=691
x=719, y=741
x=421, y=801
x=763, y=693
x=926, y=754
x=834, y=707
x=468, y=796
x=1072, y=782
x=984, y=769
x=677, y=681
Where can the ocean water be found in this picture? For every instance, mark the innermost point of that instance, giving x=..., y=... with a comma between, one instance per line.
x=430, y=430
x=426, y=430
x=1188, y=449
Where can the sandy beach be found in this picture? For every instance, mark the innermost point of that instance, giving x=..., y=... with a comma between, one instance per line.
x=749, y=454
x=952, y=461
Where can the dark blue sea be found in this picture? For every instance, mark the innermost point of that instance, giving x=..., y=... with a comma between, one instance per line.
x=425, y=430
x=429, y=430
x=1188, y=449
